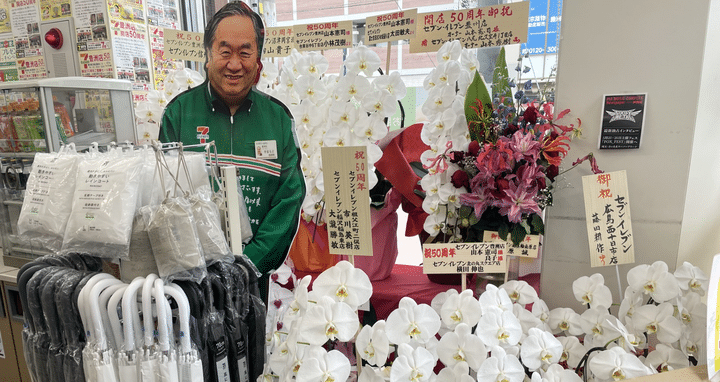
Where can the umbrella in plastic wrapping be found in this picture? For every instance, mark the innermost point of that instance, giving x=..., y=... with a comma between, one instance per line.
x=28, y=333
x=77, y=339
x=40, y=341
x=216, y=338
x=255, y=319
x=148, y=354
x=167, y=360
x=198, y=330
x=54, y=326
x=101, y=357
x=114, y=316
x=235, y=338
x=128, y=356
x=92, y=361
x=71, y=327
x=189, y=364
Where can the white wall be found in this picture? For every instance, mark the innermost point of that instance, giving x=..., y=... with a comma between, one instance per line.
x=639, y=46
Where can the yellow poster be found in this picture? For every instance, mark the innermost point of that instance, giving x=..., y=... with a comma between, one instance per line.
x=31, y=68
x=5, y=26
x=54, y=9
x=96, y=63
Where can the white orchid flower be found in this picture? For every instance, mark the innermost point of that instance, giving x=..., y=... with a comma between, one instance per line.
x=351, y=86
x=495, y=298
x=458, y=373
x=439, y=99
x=573, y=350
x=461, y=346
x=372, y=344
x=393, y=83
x=469, y=61
x=437, y=302
x=596, y=326
x=556, y=373
x=337, y=137
x=442, y=123
x=299, y=305
x=288, y=78
x=286, y=356
x=632, y=300
x=450, y=195
x=328, y=320
x=501, y=366
x=616, y=364
x=157, y=97
x=460, y=308
x=542, y=312
x=412, y=365
x=268, y=75
x=654, y=280
x=372, y=128
x=464, y=81
x=306, y=114
x=310, y=88
x=412, y=321
x=627, y=340
x=431, y=184
x=323, y=366
x=592, y=291
x=527, y=320
x=666, y=358
x=343, y=282
x=435, y=222
x=446, y=74
x=540, y=349
x=692, y=341
x=149, y=112
x=312, y=64
x=187, y=78
x=343, y=113
x=499, y=328
x=380, y=102
x=658, y=319
x=691, y=278
x=565, y=320
x=362, y=60
x=691, y=309
x=520, y=292
x=450, y=50
x=371, y=374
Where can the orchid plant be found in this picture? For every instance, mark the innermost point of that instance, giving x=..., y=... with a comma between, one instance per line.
x=334, y=111
x=505, y=334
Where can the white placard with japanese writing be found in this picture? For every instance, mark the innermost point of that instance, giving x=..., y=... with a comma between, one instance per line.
x=183, y=45
x=486, y=257
x=496, y=25
x=393, y=26
x=25, y=21
x=607, y=213
x=347, y=200
x=279, y=42
x=323, y=36
x=529, y=247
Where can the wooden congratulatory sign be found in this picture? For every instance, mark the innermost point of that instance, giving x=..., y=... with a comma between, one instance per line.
x=496, y=25
x=323, y=36
x=183, y=45
x=279, y=42
x=485, y=257
x=529, y=247
x=347, y=200
x=390, y=27
x=607, y=213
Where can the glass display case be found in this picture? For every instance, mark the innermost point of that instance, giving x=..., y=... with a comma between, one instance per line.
x=41, y=116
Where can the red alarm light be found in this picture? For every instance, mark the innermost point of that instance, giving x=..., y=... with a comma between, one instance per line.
x=54, y=37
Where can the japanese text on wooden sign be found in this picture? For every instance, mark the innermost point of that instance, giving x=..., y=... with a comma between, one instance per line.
x=485, y=257
x=390, y=27
x=183, y=45
x=607, y=213
x=495, y=25
x=321, y=36
x=529, y=247
x=347, y=200
x=279, y=41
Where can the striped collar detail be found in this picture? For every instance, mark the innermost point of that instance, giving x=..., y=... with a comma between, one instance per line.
x=250, y=163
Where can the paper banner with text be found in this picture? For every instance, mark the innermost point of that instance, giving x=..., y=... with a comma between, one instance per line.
x=485, y=257
x=131, y=54
x=183, y=45
x=54, y=9
x=279, y=41
x=8, y=59
x=530, y=246
x=5, y=26
x=390, y=27
x=607, y=214
x=347, y=200
x=323, y=36
x=31, y=68
x=496, y=25
x=96, y=63
x=127, y=10
x=91, y=27
x=25, y=21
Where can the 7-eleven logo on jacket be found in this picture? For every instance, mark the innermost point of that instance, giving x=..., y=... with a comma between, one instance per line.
x=203, y=135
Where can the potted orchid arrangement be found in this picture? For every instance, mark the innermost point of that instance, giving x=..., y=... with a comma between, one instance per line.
x=505, y=334
x=492, y=159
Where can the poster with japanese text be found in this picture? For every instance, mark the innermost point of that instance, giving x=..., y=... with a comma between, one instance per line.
x=91, y=27
x=323, y=36
x=393, y=26
x=130, y=53
x=183, y=45
x=127, y=10
x=54, y=9
x=607, y=214
x=496, y=25
x=623, y=118
x=25, y=21
x=347, y=199
x=96, y=63
x=279, y=41
x=485, y=257
x=5, y=26
x=31, y=68
x=161, y=65
x=8, y=59
x=163, y=13
x=529, y=247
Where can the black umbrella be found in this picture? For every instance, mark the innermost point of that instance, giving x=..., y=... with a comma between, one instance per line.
x=40, y=342
x=53, y=323
x=71, y=325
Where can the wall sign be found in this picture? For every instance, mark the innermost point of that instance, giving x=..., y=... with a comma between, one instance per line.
x=623, y=117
